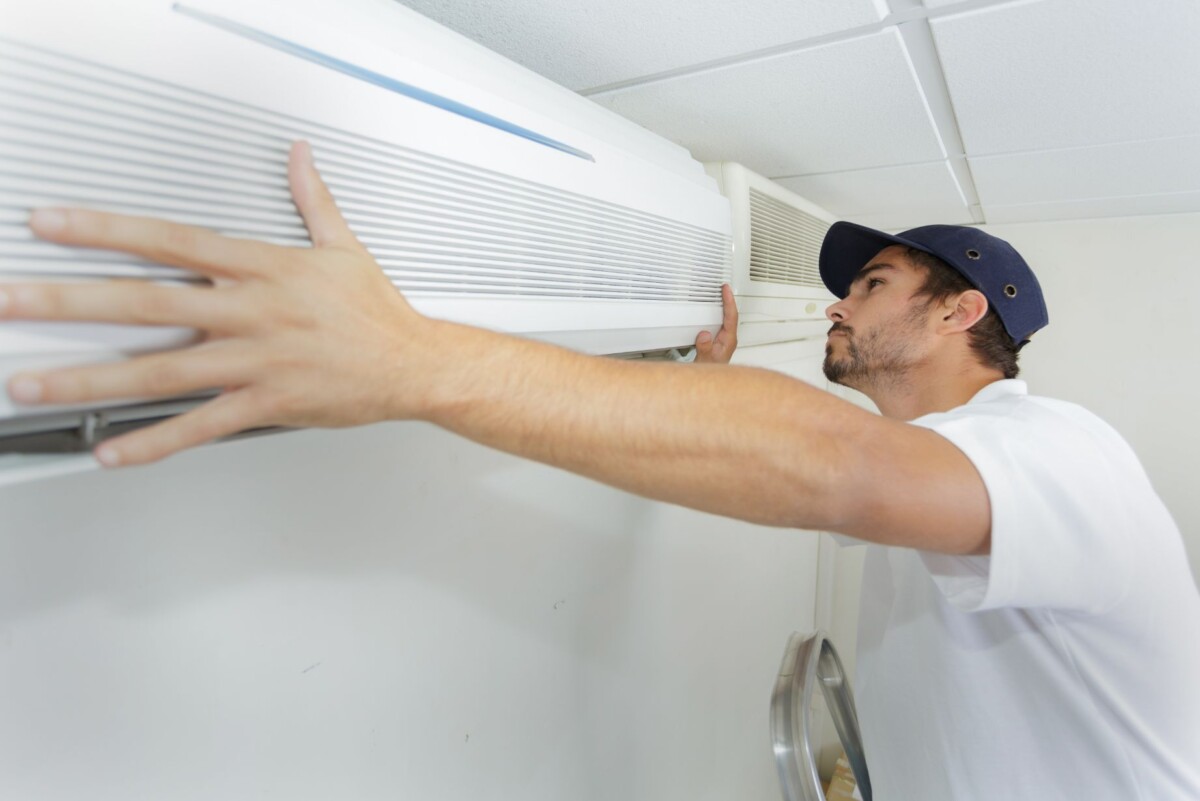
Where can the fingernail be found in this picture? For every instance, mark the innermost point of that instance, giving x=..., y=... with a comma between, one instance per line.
x=50, y=221
x=24, y=389
x=108, y=456
x=308, y=153
x=4, y=301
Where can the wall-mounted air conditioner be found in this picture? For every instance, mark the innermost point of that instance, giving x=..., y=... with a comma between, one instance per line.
x=777, y=239
x=488, y=194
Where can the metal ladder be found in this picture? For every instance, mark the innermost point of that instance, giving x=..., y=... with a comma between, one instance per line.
x=811, y=662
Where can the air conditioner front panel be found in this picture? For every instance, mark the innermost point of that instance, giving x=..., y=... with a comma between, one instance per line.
x=148, y=107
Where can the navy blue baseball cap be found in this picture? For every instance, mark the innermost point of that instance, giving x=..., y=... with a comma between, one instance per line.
x=992, y=266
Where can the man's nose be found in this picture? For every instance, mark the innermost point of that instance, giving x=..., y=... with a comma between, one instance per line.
x=837, y=311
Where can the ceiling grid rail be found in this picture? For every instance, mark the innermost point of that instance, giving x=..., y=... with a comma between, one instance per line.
x=917, y=36
x=894, y=19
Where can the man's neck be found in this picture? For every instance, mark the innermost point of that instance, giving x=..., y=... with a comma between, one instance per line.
x=920, y=395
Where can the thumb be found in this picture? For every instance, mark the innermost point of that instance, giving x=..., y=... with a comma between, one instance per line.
x=325, y=223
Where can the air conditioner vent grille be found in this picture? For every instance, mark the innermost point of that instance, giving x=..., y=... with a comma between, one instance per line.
x=785, y=242
x=77, y=133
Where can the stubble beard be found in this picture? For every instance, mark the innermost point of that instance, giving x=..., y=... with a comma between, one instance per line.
x=881, y=359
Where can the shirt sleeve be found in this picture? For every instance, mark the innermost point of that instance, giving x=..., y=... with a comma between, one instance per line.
x=1061, y=530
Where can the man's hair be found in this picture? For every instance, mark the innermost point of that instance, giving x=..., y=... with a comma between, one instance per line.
x=988, y=340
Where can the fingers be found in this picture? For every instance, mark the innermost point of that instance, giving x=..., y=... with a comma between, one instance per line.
x=325, y=223
x=729, y=317
x=174, y=244
x=719, y=349
x=200, y=249
x=195, y=248
x=138, y=302
x=726, y=339
x=158, y=375
x=222, y=416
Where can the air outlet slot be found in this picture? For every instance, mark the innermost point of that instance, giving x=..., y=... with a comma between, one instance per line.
x=785, y=242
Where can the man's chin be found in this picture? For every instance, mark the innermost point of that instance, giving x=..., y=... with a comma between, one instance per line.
x=835, y=371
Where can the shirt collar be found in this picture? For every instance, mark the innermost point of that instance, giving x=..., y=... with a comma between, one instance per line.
x=999, y=389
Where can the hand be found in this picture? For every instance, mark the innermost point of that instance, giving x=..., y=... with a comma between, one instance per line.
x=719, y=349
x=292, y=336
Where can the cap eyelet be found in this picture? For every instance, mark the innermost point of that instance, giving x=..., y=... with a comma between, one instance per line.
x=1010, y=290
x=973, y=254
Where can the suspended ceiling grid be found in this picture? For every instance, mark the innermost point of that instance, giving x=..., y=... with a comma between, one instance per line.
x=893, y=113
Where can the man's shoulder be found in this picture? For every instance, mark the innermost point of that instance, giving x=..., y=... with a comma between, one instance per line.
x=1010, y=399
x=1052, y=414
x=1004, y=415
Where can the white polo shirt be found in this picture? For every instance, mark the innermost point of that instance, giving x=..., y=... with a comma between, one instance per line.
x=1066, y=664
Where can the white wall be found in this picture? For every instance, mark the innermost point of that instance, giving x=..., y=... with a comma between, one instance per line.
x=1124, y=337
x=384, y=613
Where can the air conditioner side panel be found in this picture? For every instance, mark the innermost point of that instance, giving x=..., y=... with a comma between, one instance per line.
x=784, y=310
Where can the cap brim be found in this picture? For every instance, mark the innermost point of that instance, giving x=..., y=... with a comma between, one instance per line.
x=847, y=248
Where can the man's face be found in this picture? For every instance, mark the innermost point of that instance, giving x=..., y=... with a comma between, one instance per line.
x=877, y=333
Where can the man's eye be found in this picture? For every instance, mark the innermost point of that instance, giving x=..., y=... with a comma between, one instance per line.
x=873, y=282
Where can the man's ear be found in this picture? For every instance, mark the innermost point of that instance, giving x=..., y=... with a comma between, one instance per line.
x=963, y=311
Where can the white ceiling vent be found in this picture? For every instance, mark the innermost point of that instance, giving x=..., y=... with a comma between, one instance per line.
x=784, y=242
x=777, y=239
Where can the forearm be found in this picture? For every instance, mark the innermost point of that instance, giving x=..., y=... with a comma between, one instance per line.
x=741, y=442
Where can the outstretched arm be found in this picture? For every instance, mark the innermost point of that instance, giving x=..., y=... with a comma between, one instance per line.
x=319, y=337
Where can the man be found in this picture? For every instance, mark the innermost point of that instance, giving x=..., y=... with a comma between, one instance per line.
x=1029, y=621
x=1010, y=674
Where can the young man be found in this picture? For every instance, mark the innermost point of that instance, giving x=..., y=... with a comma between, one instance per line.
x=1019, y=673
x=1028, y=616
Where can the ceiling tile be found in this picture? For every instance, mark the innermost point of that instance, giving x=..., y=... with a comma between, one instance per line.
x=582, y=45
x=1132, y=168
x=1095, y=208
x=1068, y=73
x=892, y=197
x=842, y=106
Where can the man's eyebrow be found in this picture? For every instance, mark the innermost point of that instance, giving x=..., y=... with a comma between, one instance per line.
x=870, y=268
